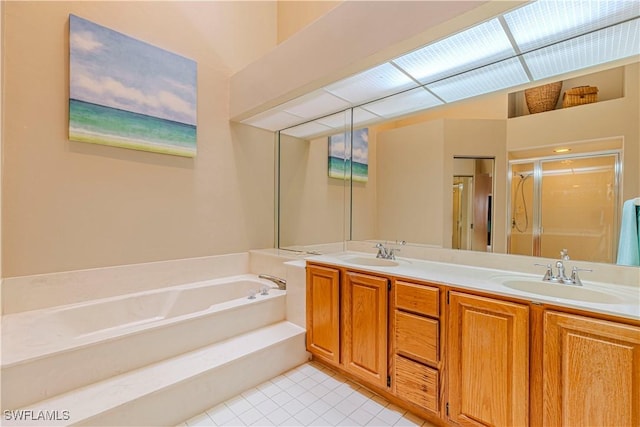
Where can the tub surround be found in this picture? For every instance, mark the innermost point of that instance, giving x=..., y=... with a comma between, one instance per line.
x=173, y=338
x=48, y=290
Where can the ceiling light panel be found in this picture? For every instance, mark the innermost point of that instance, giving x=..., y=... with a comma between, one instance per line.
x=338, y=121
x=483, y=80
x=609, y=44
x=472, y=48
x=375, y=83
x=403, y=103
x=273, y=120
x=363, y=117
x=307, y=130
x=549, y=21
x=315, y=104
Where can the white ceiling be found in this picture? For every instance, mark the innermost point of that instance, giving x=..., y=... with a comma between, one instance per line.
x=534, y=42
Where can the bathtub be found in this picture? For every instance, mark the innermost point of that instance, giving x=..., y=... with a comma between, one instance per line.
x=65, y=347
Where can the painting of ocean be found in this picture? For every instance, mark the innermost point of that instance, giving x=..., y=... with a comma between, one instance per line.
x=127, y=93
x=349, y=156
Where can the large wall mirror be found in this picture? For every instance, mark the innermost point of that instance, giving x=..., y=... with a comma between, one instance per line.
x=418, y=168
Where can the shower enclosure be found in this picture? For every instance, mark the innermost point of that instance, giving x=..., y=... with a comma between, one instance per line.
x=565, y=202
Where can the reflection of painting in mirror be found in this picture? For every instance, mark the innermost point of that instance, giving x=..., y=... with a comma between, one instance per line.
x=341, y=165
x=472, y=199
x=575, y=209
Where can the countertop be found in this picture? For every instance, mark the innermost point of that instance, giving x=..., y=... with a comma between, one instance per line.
x=491, y=281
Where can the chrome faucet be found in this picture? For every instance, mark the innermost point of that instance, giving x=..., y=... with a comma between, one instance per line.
x=388, y=253
x=282, y=284
x=561, y=277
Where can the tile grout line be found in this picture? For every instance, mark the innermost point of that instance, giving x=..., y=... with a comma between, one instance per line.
x=308, y=395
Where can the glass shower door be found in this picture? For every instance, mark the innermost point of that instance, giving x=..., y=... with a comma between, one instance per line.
x=577, y=208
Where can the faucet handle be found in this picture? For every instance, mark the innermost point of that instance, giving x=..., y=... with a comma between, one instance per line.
x=574, y=275
x=548, y=275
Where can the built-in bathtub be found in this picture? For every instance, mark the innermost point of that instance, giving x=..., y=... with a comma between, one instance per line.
x=58, y=349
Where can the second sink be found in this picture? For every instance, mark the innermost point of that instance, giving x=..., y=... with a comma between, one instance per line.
x=558, y=290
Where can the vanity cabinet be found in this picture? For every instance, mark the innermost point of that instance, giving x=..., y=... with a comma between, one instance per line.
x=488, y=361
x=416, y=345
x=364, y=326
x=347, y=321
x=466, y=358
x=323, y=313
x=591, y=372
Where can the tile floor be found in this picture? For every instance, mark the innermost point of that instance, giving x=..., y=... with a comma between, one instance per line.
x=309, y=395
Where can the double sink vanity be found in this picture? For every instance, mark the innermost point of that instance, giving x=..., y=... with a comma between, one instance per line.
x=461, y=345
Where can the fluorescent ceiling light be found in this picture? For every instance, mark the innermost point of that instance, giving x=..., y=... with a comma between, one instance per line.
x=595, y=48
x=363, y=117
x=549, y=21
x=541, y=39
x=339, y=121
x=306, y=130
x=314, y=104
x=477, y=46
x=372, y=84
x=273, y=120
x=483, y=80
x=403, y=103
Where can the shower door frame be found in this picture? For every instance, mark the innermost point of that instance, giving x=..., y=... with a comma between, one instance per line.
x=536, y=211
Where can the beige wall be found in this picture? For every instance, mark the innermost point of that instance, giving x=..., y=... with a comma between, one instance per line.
x=295, y=15
x=312, y=205
x=415, y=173
x=69, y=205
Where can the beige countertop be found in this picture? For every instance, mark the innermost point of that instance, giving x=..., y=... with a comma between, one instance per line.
x=618, y=300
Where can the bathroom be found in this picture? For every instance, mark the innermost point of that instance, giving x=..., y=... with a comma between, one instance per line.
x=100, y=211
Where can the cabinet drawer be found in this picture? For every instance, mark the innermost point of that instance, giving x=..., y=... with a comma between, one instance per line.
x=416, y=383
x=418, y=298
x=417, y=337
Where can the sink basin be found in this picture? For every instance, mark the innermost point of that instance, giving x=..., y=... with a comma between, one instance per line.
x=371, y=261
x=559, y=290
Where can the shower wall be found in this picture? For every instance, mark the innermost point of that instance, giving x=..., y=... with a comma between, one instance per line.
x=568, y=203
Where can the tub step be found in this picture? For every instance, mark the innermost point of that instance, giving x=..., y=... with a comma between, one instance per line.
x=172, y=390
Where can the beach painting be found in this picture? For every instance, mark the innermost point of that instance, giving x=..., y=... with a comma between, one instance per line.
x=127, y=93
x=345, y=162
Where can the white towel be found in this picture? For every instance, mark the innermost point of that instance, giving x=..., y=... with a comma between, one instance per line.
x=629, y=243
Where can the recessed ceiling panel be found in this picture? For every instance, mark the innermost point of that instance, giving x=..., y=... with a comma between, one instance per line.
x=472, y=48
x=306, y=130
x=273, y=120
x=362, y=117
x=487, y=79
x=375, y=83
x=315, y=104
x=339, y=121
x=403, y=103
x=610, y=44
x=545, y=22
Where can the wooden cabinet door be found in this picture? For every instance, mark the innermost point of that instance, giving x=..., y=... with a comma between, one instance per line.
x=488, y=361
x=591, y=372
x=323, y=313
x=364, y=325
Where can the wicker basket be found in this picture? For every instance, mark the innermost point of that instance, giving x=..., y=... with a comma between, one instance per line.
x=580, y=95
x=543, y=98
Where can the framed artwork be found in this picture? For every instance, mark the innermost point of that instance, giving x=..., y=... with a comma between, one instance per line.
x=345, y=162
x=126, y=93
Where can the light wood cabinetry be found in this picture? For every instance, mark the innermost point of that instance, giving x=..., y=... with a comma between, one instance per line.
x=457, y=358
x=416, y=334
x=591, y=372
x=323, y=313
x=365, y=326
x=488, y=361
